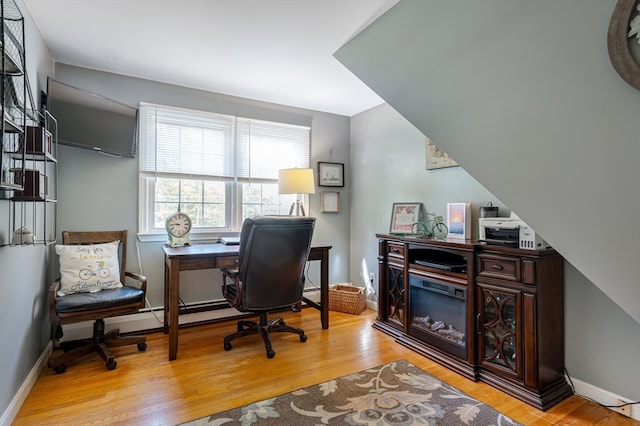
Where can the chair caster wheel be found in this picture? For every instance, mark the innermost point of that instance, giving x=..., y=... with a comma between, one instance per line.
x=303, y=338
x=271, y=353
x=60, y=369
x=227, y=346
x=142, y=347
x=111, y=366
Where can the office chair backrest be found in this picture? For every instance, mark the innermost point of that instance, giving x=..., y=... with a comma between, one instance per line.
x=272, y=254
x=100, y=237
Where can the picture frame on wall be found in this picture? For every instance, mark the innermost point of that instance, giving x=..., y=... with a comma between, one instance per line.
x=330, y=174
x=437, y=158
x=459, y=220
x=403, y=216
x=330, y=202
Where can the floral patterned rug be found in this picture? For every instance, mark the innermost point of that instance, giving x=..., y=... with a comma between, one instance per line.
x=397, y=393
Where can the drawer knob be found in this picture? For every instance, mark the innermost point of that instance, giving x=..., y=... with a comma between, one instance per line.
x=497, y=267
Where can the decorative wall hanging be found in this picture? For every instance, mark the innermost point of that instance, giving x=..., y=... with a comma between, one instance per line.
x=330, y=174
x=330, y=202
x=623, y=41
x=436, y=158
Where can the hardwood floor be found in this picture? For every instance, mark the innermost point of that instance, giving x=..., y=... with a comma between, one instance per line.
x=147, y=389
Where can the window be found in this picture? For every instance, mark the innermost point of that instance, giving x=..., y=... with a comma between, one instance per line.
x=219, y=169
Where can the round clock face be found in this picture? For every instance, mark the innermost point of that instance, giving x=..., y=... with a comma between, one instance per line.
x=179, y=224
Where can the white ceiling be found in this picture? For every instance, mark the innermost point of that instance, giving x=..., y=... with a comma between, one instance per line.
x=277, y=51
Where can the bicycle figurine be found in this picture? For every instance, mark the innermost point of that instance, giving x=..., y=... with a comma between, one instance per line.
x=89, y=272
x=433, y=227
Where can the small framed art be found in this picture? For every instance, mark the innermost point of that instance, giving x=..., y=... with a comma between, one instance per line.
x=330, y=202
x=403, y=216
x=330, y=174
x=436, y=158
x=459, y=220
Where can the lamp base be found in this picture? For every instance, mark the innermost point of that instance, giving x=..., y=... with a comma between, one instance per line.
x=299, y=209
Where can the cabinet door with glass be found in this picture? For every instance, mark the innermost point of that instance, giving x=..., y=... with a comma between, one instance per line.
x=500, y=339
x=392, y=289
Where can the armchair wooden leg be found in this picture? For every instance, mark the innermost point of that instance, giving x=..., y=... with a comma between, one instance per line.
x=105, y=353
x=100, y=343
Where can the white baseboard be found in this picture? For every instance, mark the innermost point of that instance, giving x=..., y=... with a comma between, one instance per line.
x=602, y=396
x=145, y=320
x=18, y=399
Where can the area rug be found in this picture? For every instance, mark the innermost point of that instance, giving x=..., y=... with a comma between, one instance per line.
x=397, y=393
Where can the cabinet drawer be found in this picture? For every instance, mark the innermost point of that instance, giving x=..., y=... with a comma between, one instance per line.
x=395, y=250
x=501, y=267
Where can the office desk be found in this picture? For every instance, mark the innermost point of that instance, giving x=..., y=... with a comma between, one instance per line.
x=211, y=256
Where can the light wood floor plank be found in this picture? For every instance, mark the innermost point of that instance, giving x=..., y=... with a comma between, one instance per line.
x=147, y=389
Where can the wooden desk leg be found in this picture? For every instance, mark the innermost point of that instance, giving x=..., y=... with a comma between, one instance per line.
x=324, y=289
x=174, y=292
x=166, y=295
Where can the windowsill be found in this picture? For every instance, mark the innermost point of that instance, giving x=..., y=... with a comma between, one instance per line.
x=200, y=238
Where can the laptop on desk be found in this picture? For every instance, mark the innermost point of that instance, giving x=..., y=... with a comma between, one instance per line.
x=230, y=241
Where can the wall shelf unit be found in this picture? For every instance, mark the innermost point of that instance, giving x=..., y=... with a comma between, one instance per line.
x=28, y=146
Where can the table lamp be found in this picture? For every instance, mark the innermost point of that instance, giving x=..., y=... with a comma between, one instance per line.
x=296, y=181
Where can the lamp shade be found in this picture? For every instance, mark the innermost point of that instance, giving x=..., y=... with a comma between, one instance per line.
x=296, y=181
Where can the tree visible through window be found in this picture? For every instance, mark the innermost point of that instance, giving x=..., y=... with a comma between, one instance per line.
x=219, y=169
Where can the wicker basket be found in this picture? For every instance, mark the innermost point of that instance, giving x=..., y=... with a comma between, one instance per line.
x=347, y=298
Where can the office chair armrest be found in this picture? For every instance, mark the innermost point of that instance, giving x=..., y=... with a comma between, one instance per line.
x=142, y=279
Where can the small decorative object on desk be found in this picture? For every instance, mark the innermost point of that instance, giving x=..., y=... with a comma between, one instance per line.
x=459, y=220
x=347, y=298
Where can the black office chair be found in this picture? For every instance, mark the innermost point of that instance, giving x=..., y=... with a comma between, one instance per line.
x=272, y=254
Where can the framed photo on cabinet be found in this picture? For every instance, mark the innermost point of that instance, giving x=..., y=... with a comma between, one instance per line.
x=403, y=216
x=330, y=202
x=459, y=220
x=330, y=174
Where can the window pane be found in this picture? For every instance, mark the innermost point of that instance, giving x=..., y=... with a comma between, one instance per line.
x=166, y=196
x=203, y=201
x=214, y=205
x=263, y=199
x=191, y=191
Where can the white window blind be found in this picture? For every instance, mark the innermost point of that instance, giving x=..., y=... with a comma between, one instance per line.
x=197, y=144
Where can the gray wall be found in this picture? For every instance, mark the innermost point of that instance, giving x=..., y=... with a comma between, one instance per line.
x=523, y=96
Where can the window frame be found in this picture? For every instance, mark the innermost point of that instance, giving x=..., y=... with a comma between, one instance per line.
x=147, y=231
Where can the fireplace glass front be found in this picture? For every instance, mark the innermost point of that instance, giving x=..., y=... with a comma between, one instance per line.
x=438, y=314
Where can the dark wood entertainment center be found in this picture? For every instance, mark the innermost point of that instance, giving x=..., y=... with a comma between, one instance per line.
x=489, y=312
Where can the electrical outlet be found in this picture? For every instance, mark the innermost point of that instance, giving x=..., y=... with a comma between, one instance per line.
x=625, y=410
x=372, y=277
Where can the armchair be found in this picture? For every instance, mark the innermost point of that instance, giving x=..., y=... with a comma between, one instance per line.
x=269, y=277
x=94, y=306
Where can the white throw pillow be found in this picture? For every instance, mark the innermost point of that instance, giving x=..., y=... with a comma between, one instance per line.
x=88, y=268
